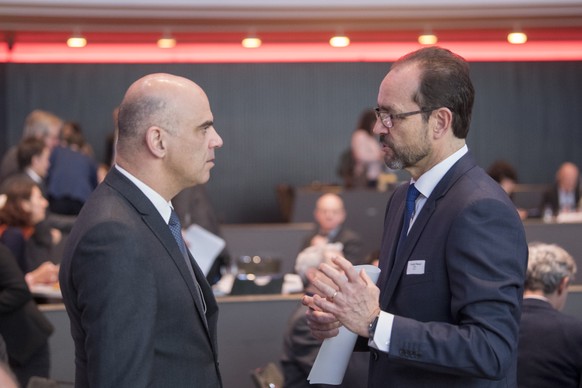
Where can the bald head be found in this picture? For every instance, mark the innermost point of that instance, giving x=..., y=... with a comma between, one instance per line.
x=153, y=100
x=567, y=177
x=329, y=212
x=166, y=135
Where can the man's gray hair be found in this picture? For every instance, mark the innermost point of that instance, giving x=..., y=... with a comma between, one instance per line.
x=39, y=123
x=547, y=265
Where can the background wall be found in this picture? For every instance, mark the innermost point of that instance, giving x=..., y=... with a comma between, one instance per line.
x=288, y=123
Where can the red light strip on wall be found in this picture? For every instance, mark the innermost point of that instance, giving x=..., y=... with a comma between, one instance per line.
x=282, y=52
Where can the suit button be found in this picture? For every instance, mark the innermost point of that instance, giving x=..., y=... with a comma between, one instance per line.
x=375, y=355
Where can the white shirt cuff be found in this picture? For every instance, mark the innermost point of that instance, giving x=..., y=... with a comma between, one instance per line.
x=383, y=333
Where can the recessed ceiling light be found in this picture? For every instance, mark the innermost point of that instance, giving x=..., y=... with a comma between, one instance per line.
x=339, y=41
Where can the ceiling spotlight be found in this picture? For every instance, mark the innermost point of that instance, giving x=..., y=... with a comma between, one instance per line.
x=166, y=41
x=76, y=40
x=427, y=39
x=339, y=41
x=517, y=37
x=251, y=42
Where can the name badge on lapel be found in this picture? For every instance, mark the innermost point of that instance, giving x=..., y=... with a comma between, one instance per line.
x=415, y=267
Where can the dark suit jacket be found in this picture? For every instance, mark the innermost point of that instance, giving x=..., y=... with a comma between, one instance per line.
x=353, y=246
x=71, y=175
x=455, y=286
x=134, y=308
x=550, y=347
x=24, y=328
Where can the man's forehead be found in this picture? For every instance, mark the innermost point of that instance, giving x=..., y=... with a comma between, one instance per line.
x=399, y=86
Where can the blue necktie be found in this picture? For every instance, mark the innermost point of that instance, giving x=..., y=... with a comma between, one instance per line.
x=176, y=229
x=411, y=196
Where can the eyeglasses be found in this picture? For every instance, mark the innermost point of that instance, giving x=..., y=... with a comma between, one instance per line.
x=387, y=119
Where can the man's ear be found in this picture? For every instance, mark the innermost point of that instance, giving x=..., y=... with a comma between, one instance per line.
x=156, y=141
x=444, y=121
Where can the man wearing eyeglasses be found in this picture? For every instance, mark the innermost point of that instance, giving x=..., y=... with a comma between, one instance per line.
x=445, y=312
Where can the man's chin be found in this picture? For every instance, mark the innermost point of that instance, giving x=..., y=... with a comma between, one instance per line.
x=204, y=178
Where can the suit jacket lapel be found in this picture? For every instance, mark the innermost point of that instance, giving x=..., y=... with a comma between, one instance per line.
x=399, y=263
x=160, y=229
x=211, y=305
x=393, y=220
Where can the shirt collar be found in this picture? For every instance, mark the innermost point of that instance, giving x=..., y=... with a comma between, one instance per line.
x=538, y=297
x=164, y=207
x=33, y=175
x=428, y=181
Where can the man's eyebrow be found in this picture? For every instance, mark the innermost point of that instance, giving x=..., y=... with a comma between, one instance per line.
x=386, y=108
x=206, y=124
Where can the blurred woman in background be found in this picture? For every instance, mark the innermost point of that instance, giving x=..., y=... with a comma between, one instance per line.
x=25, y=207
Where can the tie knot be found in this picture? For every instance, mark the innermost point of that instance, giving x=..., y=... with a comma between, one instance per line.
x=412, y=193
x=411, y=196
x=174, y=220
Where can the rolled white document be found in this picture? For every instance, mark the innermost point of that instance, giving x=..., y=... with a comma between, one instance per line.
x=333, y=357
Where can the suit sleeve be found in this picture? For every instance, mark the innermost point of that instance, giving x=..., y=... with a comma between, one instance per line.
x=486, y=256
x=116, y=297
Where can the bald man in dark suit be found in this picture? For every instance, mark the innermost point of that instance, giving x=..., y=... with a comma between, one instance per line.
x=142, y=313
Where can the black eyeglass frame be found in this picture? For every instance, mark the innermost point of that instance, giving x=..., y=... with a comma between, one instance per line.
x=383, y=115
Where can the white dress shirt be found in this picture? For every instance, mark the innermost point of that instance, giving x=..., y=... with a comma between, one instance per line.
x=164, y=207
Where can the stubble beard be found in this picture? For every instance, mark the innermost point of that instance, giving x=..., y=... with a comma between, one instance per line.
x=407, y=156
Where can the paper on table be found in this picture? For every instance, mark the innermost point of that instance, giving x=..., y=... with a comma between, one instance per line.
x=203, y=245
x=333, y=357
x=46, y=291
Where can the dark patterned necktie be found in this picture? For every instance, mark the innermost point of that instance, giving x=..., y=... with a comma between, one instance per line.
x=176, y=229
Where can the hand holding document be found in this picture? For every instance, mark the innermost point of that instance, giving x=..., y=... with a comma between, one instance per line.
x=334, y=354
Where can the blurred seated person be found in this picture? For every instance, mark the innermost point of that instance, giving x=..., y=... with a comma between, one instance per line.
x=72, y=134
x=33, y=157
x=72, y=175
x=362, y=163
x=110, y=144
x=300, y=348
x=34, y=162
x=109, y=158
x=330, y=215
x=23, y=209
x=550, y=342
x=504, y=174
x=193, y=206
x=564, y=195
x=40, y=124
x=25, y=329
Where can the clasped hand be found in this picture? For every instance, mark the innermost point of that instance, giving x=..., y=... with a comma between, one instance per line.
x=344, y=297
